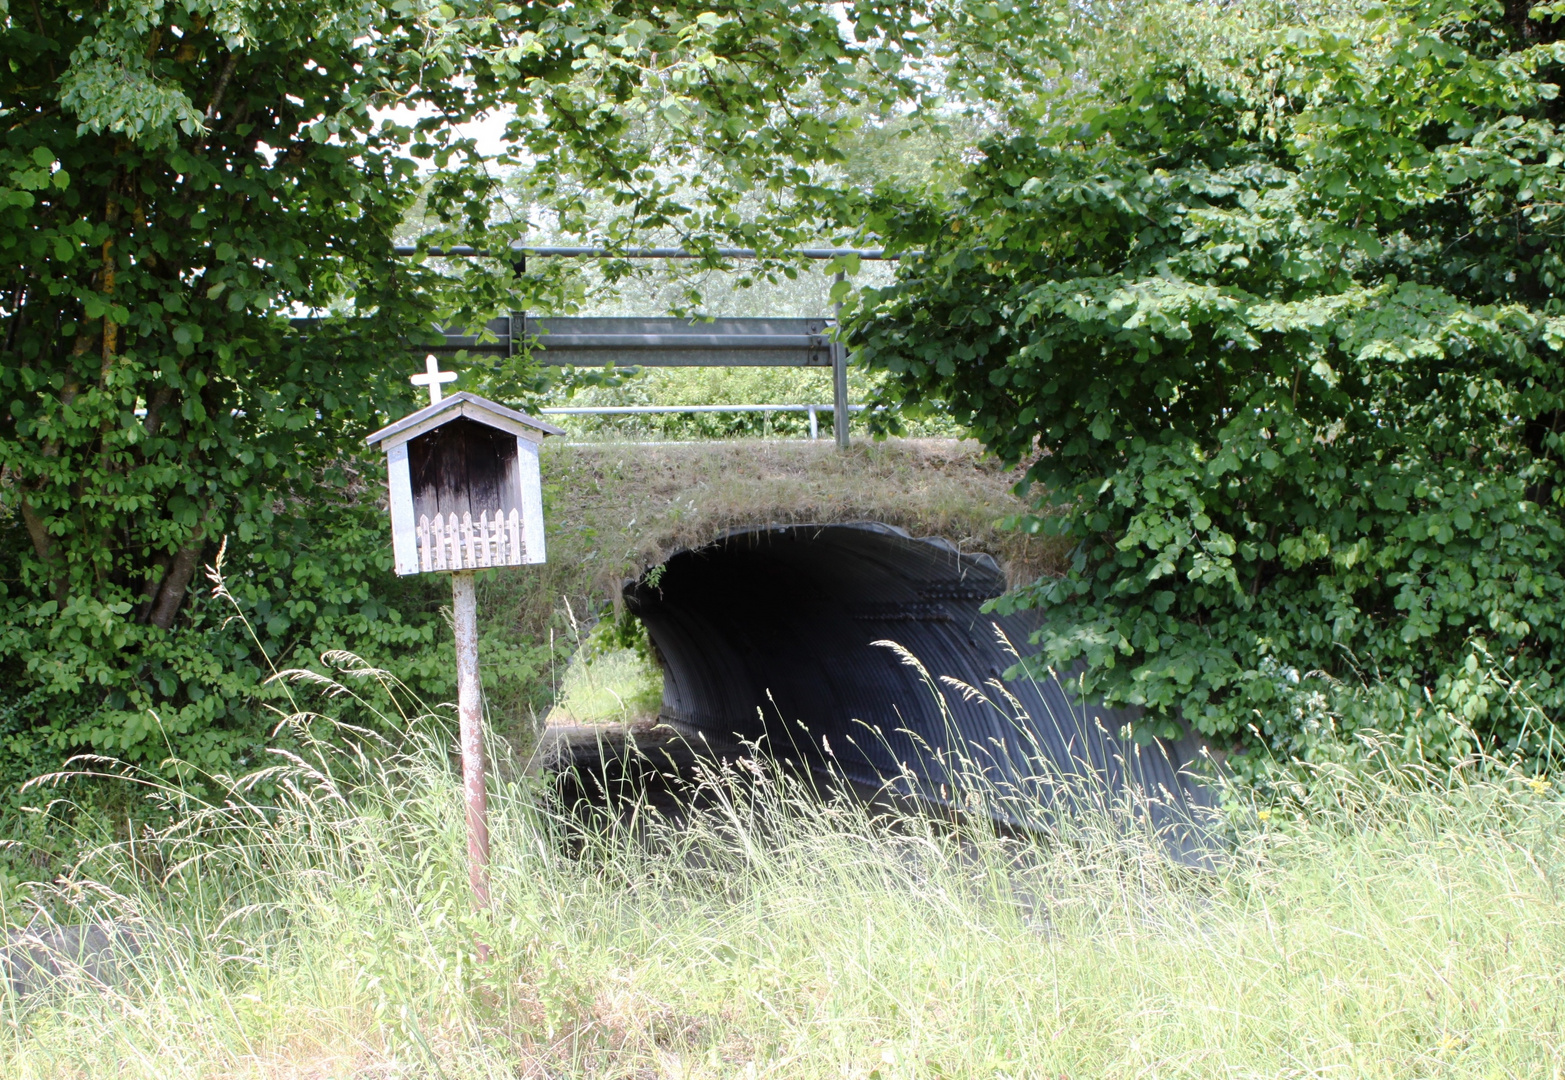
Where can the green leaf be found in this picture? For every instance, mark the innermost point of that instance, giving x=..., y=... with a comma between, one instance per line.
x=1284, y=400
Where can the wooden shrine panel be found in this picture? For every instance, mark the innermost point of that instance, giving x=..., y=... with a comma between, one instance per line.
x=464, y=467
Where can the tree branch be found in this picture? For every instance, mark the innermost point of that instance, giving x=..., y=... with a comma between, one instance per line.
x=44, y=546
x=155, y=406
x=222, y=86
x=149, y=591
x=36, y=530
x=177, y=581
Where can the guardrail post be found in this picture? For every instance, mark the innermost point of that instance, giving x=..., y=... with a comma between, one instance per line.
x=839, y=382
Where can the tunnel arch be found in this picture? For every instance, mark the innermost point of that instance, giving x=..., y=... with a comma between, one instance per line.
x=769, y=635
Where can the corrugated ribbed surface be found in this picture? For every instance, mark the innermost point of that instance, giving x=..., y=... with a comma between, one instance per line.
x=768, y=635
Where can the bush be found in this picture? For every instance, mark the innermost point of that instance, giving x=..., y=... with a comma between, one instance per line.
x=1279, y=329
x=91, y=676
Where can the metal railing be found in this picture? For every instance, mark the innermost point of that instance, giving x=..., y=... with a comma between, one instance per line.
x=646, y=410
x=519, y=250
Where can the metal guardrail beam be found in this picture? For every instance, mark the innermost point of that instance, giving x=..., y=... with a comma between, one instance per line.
x=599, y=341
x=673, y=342
x=520, y=251
x=642, y=342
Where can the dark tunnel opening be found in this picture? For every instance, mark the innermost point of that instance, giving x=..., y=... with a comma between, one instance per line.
x=769, y=636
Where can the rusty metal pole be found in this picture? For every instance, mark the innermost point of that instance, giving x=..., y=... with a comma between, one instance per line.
x=839, y=382
x=470, y=706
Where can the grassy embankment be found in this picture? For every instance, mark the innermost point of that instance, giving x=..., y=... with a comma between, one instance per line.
x=1383, y=924
x=613, y=511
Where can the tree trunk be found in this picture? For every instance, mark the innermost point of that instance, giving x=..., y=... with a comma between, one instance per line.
x=149, y=592
x=44, y=546
x=177, y=581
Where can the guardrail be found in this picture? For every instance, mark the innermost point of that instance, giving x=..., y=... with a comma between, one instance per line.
x=645, y=410
x=588, y=341
x=520, y=249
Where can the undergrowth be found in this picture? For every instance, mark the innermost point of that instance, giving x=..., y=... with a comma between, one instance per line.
x=1375, y=918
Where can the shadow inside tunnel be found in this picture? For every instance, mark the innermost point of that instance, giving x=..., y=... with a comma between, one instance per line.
x=842, y=652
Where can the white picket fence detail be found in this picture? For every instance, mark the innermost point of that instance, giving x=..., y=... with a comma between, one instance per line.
x=447, y=542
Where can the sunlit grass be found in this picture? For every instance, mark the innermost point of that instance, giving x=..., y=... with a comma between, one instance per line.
x=608, y=687
x=1404, y=922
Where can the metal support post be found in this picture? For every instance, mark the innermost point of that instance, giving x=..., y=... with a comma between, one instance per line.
x=470, y=706
x=839, y=382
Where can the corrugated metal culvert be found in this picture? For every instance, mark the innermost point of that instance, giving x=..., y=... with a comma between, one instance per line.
x=770, y=635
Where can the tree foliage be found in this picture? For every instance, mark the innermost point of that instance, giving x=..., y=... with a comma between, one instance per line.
x=178, y=180
x=1280, y=329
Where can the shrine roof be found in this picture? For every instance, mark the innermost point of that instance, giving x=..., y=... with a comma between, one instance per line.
x=462, y=404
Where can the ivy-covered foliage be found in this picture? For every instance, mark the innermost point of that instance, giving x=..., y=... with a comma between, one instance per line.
x=179, y=181
x=1281, y=331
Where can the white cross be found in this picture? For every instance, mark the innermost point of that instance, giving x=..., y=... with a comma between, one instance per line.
x=432, y=378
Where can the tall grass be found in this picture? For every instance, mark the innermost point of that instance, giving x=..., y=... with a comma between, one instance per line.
x=1399, y=922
